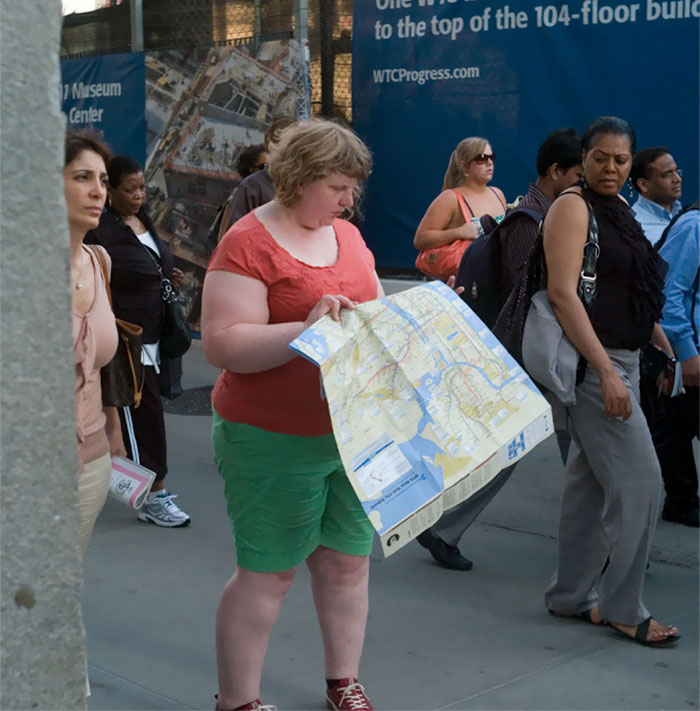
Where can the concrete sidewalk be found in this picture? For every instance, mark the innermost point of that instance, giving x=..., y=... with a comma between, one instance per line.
x=436, y=639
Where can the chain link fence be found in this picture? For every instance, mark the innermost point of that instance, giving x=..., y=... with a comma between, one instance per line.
x=179, y=24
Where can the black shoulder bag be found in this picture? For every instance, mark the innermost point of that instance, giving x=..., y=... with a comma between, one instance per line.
x=175, y=337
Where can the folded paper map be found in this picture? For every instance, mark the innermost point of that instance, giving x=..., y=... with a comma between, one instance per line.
x=427, y=406
x=130, y=482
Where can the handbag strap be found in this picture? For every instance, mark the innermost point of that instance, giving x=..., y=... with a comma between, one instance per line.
x=587, y=283
x=97, y=251
x=138, y=387
x=167, y=292
x=467, y=212
x=587, y=286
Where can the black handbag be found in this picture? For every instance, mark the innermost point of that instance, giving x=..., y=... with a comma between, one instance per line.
x=169, y=378
x=175, y=337
x=123, y=377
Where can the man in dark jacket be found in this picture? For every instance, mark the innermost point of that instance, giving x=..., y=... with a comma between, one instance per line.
x=257, y=188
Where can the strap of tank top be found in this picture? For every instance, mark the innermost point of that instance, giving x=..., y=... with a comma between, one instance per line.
x=464, y=206
x=499, y=197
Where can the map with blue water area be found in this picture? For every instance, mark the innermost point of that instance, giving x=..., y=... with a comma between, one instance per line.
x=427, y=406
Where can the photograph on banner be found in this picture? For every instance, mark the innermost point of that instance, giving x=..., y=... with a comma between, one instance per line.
x=203, y=107
x=427, y=74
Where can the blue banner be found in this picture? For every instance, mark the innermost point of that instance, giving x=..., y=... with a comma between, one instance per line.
x=108, y=94
x=427, y=73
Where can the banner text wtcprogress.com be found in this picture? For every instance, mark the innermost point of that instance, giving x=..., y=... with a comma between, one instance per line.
x=421, y=76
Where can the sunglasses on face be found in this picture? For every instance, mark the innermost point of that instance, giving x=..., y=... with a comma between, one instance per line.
x=482, y=158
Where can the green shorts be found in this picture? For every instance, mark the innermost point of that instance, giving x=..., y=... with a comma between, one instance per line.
x=286, y=495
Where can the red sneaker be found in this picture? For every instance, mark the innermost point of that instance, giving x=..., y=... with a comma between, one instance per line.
x=252, y=706
x=349, y=695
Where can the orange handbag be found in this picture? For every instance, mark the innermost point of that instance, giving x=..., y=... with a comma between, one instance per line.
x=443, y=262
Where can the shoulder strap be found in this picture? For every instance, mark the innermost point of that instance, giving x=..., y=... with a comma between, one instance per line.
x=498, y=196
x=587, y=281
x=694, y=298
x=535, y=215
x=97, y=251
x=591, y=252
x=463, y=205
x=664, y=235
x=226, y=216
x=167, y=291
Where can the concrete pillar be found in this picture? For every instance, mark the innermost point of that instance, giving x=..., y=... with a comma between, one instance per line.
x=42, y=647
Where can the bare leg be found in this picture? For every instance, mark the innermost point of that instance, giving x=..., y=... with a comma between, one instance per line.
x=340, y=587
x=249, y=606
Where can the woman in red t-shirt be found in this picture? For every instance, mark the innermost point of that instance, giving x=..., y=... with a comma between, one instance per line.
x=277, y=271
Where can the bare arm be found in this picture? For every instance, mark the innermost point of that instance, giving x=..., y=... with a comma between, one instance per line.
x=659, y=338
x=236, y=332
x=432, y=231
x=565, y=234
x=380, y=288
x=114, y=432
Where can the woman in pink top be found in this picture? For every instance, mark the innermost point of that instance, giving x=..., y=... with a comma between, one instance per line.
x=277, y=271
x=94, y=329
x=456, y=213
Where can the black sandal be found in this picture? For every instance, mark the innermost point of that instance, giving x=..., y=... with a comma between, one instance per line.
x=640, y=636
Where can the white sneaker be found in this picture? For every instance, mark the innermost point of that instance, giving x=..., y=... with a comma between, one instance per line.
x=160, y=509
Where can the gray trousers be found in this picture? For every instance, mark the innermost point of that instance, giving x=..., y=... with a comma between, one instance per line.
x=454, y=522
x=610, y=504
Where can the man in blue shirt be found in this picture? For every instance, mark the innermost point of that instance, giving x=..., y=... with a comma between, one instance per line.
x=657, y=179
x=674, y=430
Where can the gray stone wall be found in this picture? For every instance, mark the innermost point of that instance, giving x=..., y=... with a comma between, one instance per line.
x=41, y=635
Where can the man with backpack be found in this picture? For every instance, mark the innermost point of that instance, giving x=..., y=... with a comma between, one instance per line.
x=254, y=190
x=488, y=271
x=676, y=421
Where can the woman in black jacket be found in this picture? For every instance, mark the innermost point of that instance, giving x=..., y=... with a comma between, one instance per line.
x=127, y=232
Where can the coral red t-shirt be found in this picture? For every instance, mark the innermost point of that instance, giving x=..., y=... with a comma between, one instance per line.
x=287, y=399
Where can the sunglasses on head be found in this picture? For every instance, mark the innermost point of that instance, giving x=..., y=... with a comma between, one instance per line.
x=484, y=157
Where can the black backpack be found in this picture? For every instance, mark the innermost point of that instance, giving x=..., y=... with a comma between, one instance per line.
x=220, y=225
x=481, y=272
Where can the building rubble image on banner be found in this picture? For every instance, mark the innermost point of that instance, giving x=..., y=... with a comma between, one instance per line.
x=427, y=406
x=203, y=106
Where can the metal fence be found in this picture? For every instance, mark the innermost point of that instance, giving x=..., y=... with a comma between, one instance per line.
x=171, y=24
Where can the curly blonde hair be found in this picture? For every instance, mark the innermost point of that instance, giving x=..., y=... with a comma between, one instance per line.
x=311, y=150
x=467, y=149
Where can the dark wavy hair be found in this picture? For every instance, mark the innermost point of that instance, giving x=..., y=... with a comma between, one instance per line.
x=247, y=159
